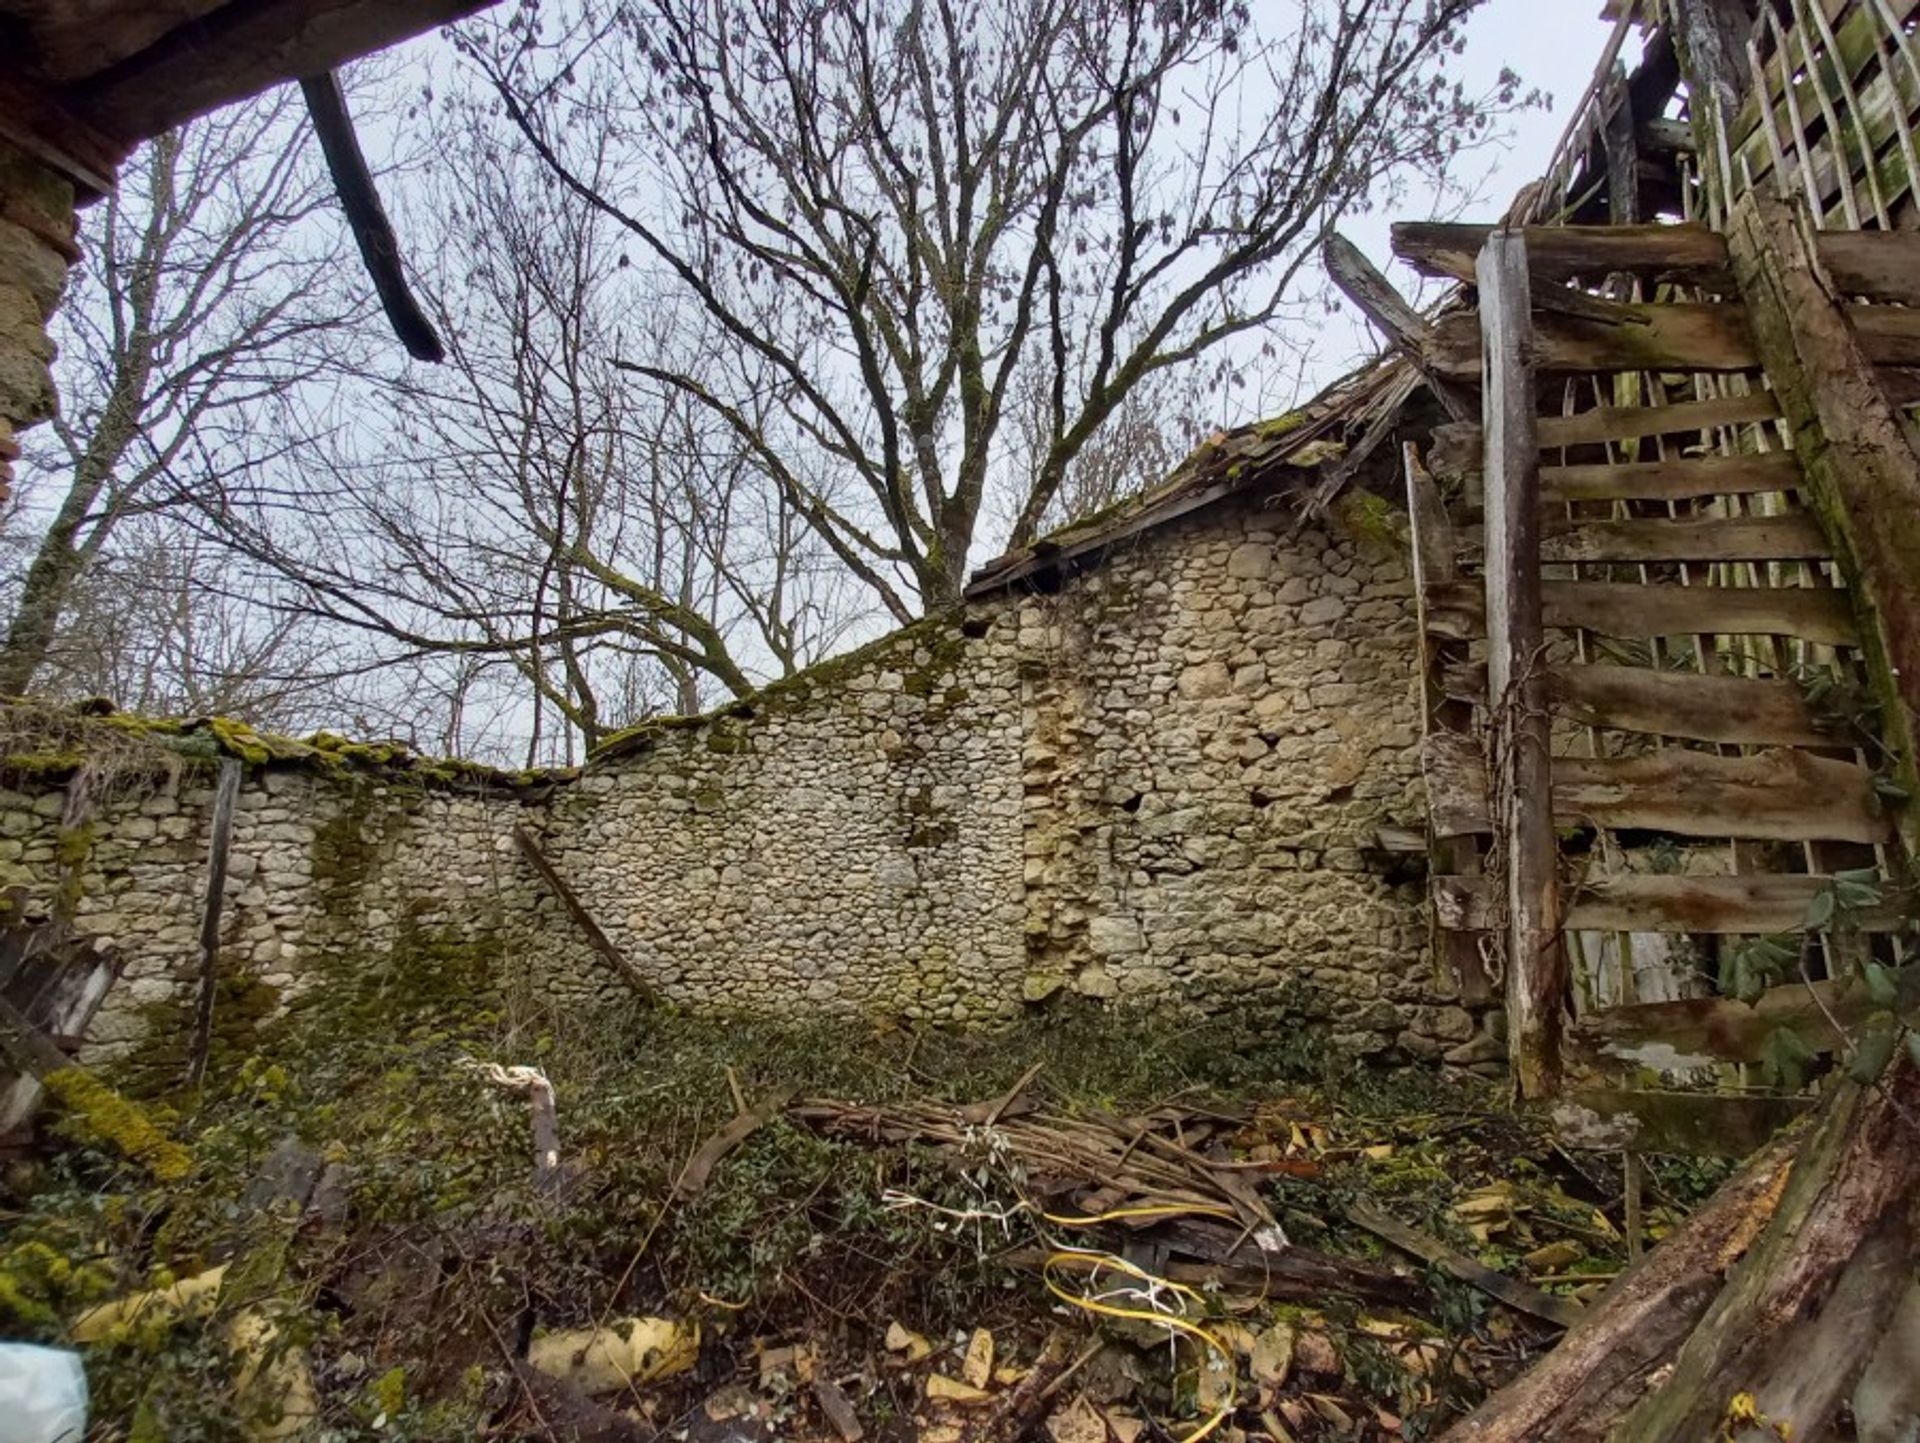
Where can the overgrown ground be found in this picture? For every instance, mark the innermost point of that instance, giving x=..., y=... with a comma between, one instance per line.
x=412, y=1283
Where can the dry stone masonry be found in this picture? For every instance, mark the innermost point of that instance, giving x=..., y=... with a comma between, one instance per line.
x=1158, y=782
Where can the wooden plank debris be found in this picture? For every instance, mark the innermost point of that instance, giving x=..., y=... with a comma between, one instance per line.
x=1698, y=1031
x=1561, y=1312
x=1754, y=904
x=1457, y=445
x=1634, y=611
x=1691, y=336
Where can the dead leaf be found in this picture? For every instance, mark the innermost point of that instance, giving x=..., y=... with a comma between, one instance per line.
x=905, y=1340
x=952, y=1390
x=621, y=1355
x=977, y=1367
x=1125, y=1426
x=1213, y=1379
x=1276, y=1430
x=1330, y=1410
x=1554, y=1256
x=1078, y=1422
x=839, y=1410
x=1315, y=1353
x=1272, y=1356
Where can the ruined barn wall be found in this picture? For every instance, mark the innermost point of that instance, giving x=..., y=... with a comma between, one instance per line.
x=1156, y=785
x=399, y=893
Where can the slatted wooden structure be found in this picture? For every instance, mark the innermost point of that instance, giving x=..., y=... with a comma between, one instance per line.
x=1665, y=824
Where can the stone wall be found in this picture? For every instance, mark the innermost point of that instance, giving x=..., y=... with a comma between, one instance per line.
x=1160, y=783
x=36, y=247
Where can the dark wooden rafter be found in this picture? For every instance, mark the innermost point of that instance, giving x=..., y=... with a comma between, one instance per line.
x=372, y=231
x=239, y=50
x=1404, y=328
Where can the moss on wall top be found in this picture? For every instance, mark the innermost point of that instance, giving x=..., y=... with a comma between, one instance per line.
x=43, y=744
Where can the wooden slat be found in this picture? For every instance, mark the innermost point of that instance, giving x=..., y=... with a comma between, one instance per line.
x=1689, y=1124
x=1730, y=709
x=1781, y=794
x=1690, y=253
x=1763, y=904
x=1696, y=336
x=1520, y=727
x=1698, y=1031
x=1709, y=538
x=1876, y=265
x=1672, y=480
x=1760, y=904
x=1457, y=445
x=1632, y=611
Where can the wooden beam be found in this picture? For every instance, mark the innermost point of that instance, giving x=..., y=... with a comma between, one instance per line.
x=1677, y=480
x=623, y=967
x=226, y=798
x=240, y=50
x=1733, y=710
x=1403, y=327
x=1705, y=538
x=1874, y=265
x=1863, y=476
x=1690, y=336
x=1687, y=1124
x=40, y=124
x=1690, y=253
x=1520, y=730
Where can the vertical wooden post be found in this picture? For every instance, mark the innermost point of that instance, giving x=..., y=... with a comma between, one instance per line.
x=1519, y=767
x=1435, y=565
x=225, y=796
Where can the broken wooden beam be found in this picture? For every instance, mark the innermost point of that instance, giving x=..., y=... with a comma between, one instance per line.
x=1753, y=904
x=1561, y=1312
x=1690, y=336
x=596, y=936
x=1793, y=537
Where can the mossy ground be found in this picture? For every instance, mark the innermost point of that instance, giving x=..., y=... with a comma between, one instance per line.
x=412, y=1300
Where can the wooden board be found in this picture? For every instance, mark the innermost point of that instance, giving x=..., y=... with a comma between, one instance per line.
x=1698, y=1031
x=1763, y=904
x=1730, y=709
x=1707, y=538
x=1457, y=445
x=1760, y=904
x=1688, y=1124
x=1696, y=336
x=1633, y=611
x=1673, y=480
x=1781, y=794
x=1690, y=253
x=1875, y=265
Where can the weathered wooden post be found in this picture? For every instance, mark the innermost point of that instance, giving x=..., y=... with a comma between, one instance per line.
x=1519, y=766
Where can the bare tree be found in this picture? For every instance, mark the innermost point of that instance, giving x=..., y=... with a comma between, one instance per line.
x=899, y=216
x=548, y=523
x=203, y=302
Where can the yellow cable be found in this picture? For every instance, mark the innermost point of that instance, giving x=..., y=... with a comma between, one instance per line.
x=1161, y=1210
x=1177, y=1324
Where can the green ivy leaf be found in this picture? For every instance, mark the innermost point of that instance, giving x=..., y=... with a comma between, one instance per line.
x=1875, y=1048
x=1783, y=1059
x=1880, y=984
x=1820, y=909
x=1913, y=1047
